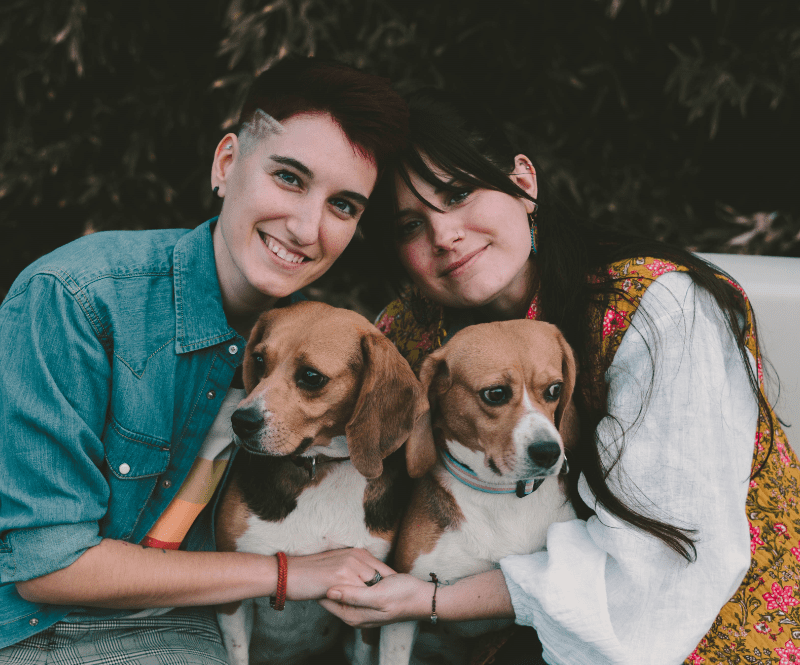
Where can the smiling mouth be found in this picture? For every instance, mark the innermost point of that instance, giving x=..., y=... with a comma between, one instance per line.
x=280, y=251
x=461, y=262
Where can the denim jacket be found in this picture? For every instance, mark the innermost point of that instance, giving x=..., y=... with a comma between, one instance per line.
x=115, y=355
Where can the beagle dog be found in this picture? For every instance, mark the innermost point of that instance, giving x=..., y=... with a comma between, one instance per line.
x=502, y=415
x=329, y=399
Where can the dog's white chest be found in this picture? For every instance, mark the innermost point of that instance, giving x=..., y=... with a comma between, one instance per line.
x=328, y=516
x=494, y=526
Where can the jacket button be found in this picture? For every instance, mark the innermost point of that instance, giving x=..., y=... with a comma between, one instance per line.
x=167, y=484
x=34, y=622
x=124, y=469
x=211, y=394
x=233, y=349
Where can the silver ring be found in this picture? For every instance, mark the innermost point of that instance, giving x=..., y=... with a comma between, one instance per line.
x=378, y=577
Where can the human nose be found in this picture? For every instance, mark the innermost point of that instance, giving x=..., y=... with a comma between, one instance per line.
x=305, y=222
x=446, y=232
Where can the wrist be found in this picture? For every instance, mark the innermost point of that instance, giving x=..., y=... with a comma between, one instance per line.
x=421, y=602
x=278, y=601
x=434, y=617
x=266, y=571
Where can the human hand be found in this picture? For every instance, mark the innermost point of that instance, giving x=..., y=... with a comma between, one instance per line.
x=395, y=598
x=310, y=577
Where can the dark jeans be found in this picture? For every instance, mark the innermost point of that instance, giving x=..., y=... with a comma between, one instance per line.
x=522, y=648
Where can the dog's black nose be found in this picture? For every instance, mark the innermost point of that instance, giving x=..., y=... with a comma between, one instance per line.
x=246, y=422
x=544, y=453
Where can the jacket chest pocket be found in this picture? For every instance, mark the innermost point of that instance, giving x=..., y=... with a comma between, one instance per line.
x=133, y=464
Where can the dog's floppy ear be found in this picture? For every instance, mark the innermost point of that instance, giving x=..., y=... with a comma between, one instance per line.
x=566, y=417
x=389, y=404
x=420, y=448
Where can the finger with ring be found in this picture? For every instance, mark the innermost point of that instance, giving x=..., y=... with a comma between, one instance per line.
x=378, y=577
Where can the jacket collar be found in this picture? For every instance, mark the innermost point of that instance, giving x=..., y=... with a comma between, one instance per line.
x=200, y=321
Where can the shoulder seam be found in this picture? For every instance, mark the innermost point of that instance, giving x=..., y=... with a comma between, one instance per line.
x=78, y=294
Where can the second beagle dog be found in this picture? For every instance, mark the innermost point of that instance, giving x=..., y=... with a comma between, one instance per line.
x=501, y=415
x=329, y=399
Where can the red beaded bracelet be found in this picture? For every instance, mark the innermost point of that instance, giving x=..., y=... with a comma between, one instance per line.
x=278, y=601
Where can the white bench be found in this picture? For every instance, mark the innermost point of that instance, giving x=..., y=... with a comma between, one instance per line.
x=773, y=285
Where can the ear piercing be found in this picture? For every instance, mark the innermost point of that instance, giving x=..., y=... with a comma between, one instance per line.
x=534, y=229
x=216, y=189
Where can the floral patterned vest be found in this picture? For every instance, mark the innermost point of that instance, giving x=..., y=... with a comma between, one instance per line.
x=761, y=623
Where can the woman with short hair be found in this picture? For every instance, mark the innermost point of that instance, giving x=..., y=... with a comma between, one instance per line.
x=117, y=357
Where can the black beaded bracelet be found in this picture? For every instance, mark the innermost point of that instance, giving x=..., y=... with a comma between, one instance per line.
x=435, y=581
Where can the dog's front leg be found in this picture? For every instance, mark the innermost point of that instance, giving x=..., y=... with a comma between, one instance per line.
x=397, y=643
x=365, y=650
x=236, y=624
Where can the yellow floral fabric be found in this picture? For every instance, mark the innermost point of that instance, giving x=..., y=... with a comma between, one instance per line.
x=761, y=623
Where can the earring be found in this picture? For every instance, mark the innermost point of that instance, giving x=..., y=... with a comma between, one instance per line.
x=216, y=192
x=534, y=228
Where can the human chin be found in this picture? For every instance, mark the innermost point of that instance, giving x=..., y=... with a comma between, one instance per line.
x=277, y=286
x=480, y=291
x=277, y=278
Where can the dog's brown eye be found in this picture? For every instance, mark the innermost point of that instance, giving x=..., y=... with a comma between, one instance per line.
x=310, y=379
x=496, y=395
x=553, y=392
x=258, y=360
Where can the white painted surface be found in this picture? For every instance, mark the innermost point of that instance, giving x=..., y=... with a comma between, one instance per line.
x=773, y=285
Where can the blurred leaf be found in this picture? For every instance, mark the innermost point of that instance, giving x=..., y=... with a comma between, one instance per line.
x=658, y=116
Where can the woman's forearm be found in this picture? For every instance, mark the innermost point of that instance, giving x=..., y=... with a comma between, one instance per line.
x=407, y=598
x=116, y=574
x=483, y=596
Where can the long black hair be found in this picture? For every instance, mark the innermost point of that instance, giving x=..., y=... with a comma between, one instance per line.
x=457, y=137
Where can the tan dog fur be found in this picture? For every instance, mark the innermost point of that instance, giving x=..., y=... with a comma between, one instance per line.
x=455, y=530
x=370, y=397
x=367, y=408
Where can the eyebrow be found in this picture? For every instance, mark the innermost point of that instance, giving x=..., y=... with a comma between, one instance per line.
x=358, y=198
x=445, y=186
x=290, y=161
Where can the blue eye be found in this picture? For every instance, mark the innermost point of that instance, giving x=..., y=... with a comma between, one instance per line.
x=345, y=206
x=289, y=178
x=458, y=197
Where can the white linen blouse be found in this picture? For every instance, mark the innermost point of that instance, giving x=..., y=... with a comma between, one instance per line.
x=606, y=592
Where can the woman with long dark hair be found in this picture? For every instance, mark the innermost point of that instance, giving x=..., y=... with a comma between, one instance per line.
x=683, y=478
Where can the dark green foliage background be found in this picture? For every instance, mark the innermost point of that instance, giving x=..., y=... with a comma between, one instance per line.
x=674, y=118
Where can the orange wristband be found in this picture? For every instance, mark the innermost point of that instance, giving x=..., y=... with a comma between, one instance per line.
x=278, y=601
